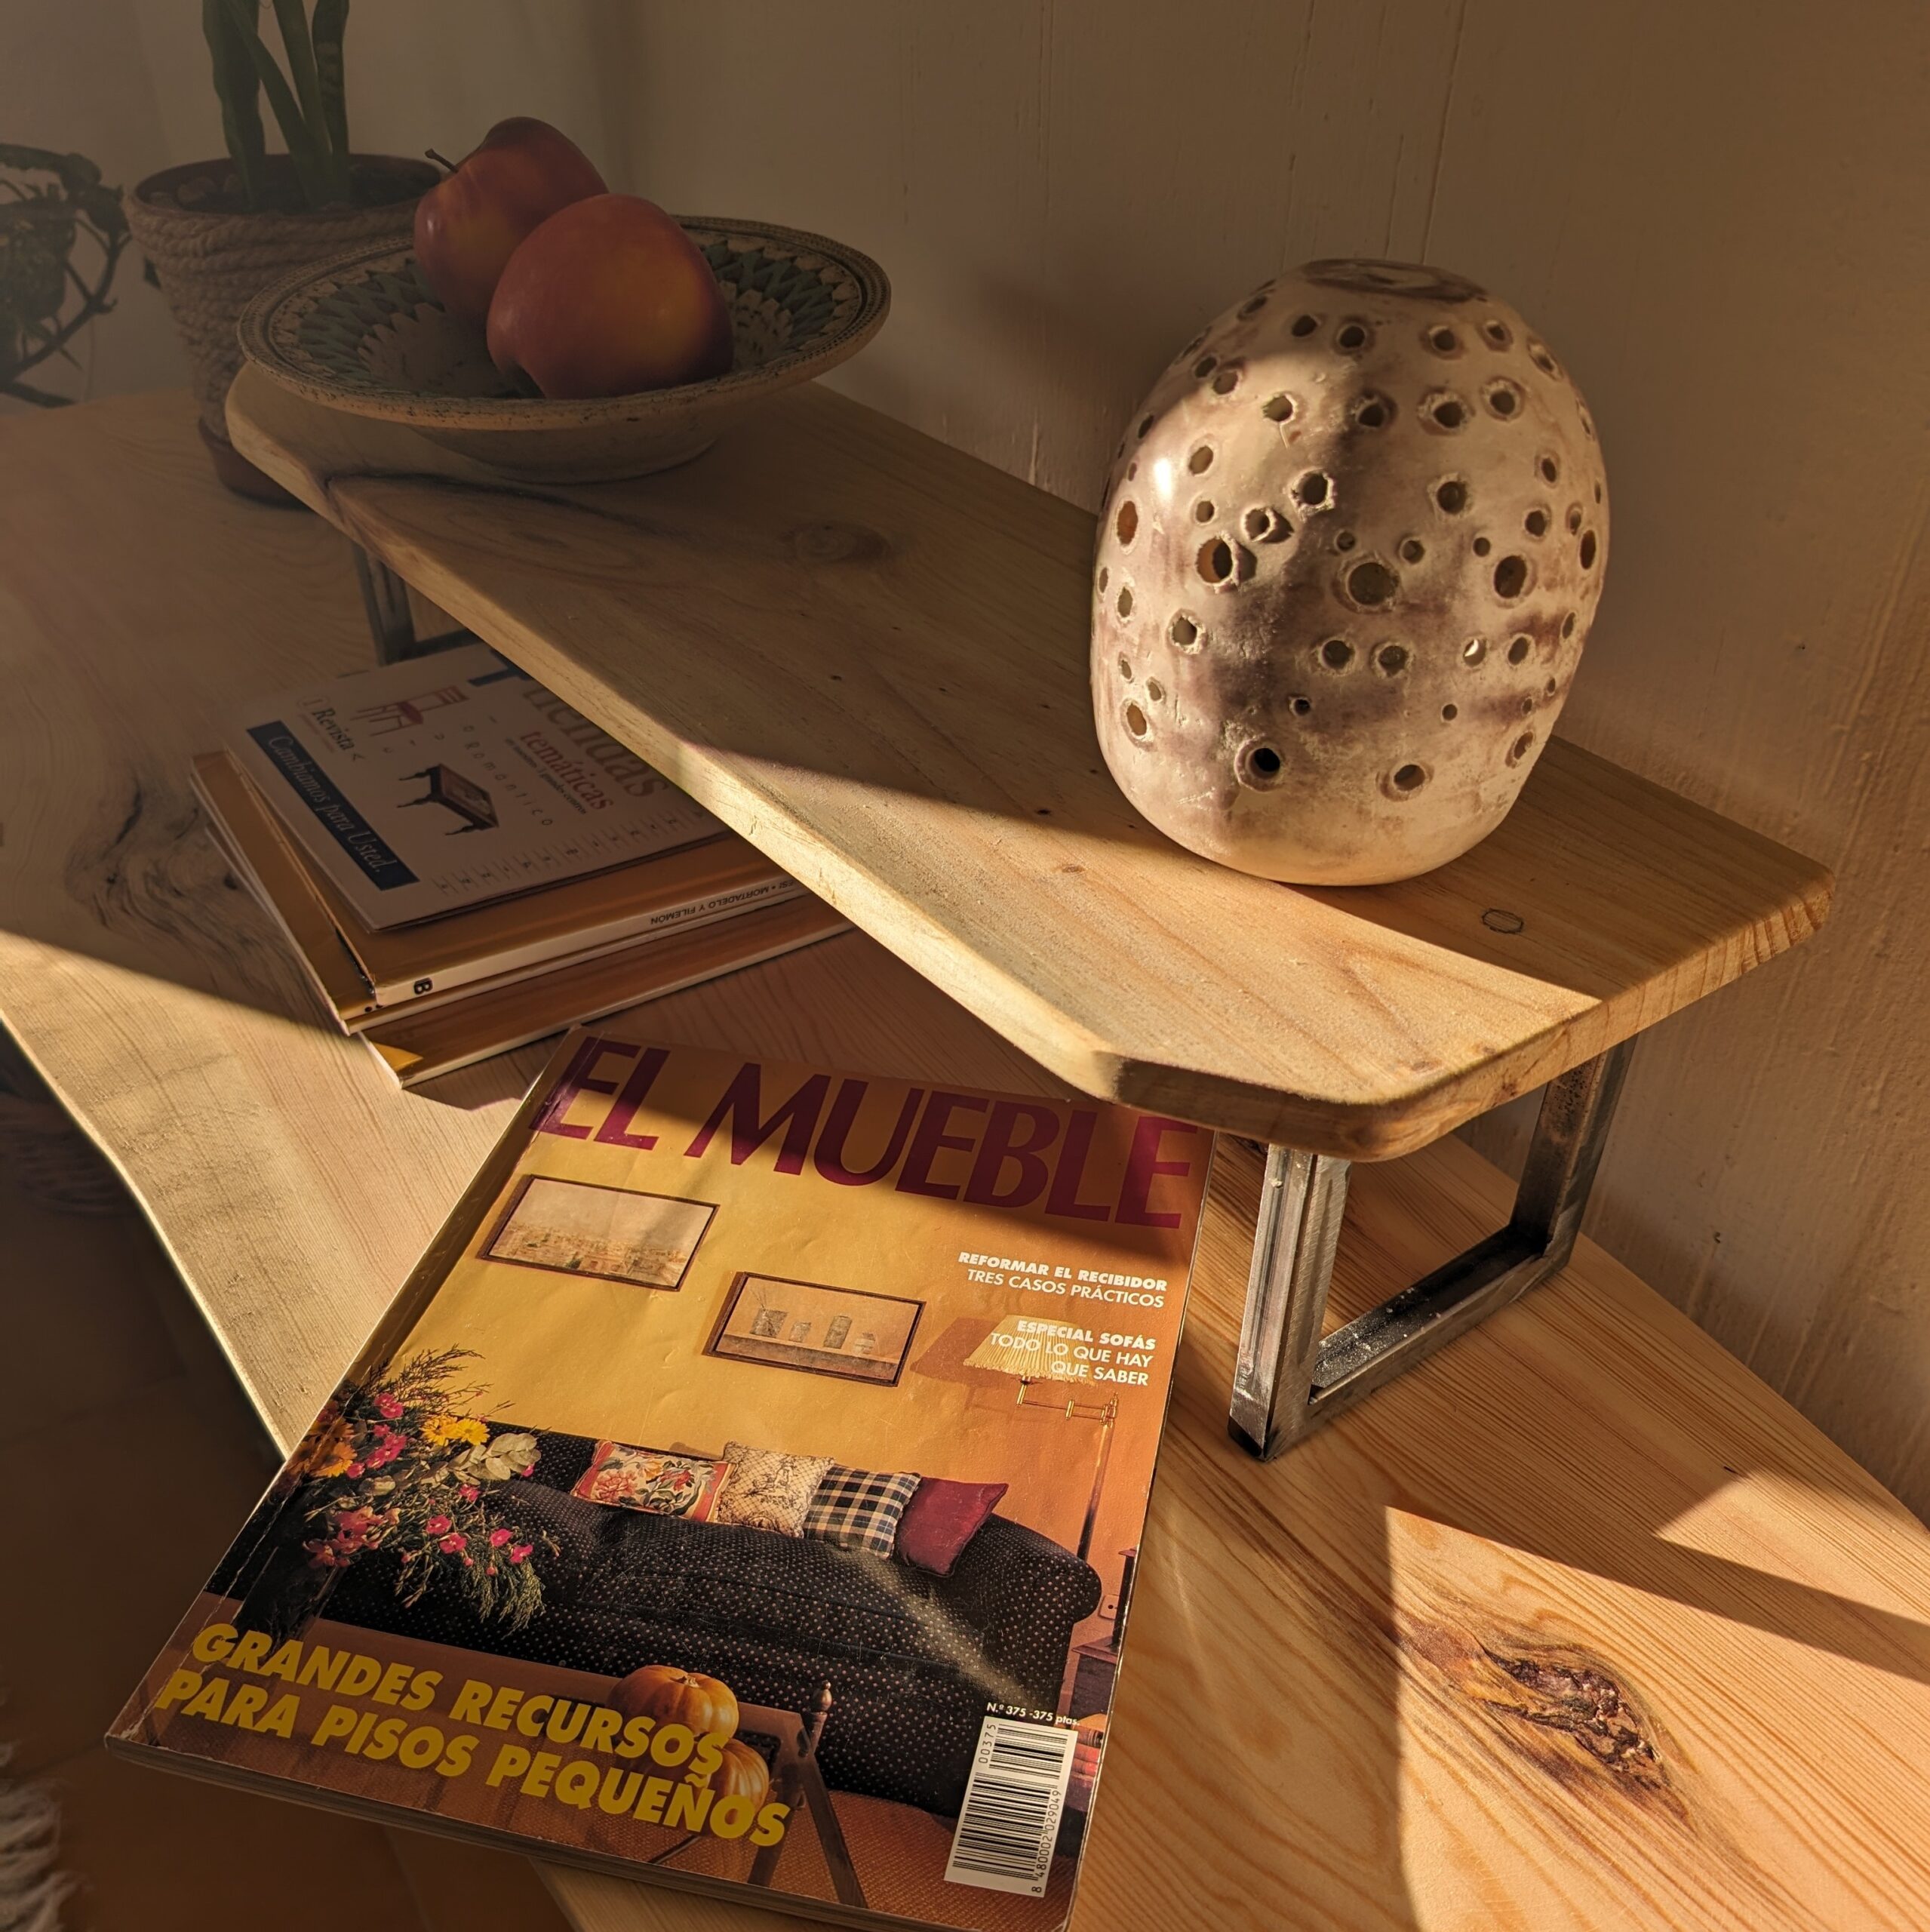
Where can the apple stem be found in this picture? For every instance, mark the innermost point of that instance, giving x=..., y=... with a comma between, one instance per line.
x=440, y=160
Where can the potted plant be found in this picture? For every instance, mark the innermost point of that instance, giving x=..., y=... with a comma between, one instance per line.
x=216, y=232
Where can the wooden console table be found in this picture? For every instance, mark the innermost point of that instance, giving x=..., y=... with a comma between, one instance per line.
x=1581, y=1627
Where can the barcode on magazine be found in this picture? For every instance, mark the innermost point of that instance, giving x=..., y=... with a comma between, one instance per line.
x=1009, y=1819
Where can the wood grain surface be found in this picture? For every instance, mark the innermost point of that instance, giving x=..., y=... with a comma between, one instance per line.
x=868, y=653
x=1578, y=1626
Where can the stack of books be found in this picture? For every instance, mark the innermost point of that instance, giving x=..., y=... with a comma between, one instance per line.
x=463, y=863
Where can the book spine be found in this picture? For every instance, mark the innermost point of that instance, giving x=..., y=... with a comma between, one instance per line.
x=417, y=1072
x=420, y=995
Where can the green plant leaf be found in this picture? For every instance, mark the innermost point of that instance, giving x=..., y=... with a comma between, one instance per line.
x=238, y=89
x=305, y=149
x=330, y=25
x=298, y=46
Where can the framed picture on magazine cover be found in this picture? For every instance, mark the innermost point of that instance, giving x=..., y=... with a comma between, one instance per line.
x=816, y=1327
x=607, y=1234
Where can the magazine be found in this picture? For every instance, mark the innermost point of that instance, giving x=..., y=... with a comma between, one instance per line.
x=420, y=1043
x=364, y=974
x=742, y=1493
x=449, y=781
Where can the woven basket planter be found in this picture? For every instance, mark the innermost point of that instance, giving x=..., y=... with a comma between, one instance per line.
x=211, y=260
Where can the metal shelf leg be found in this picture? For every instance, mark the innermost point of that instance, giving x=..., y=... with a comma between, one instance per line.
x=1287, y=1381
x=391, y=623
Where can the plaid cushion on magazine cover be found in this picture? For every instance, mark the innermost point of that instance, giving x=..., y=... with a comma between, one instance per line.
x=859, y=1509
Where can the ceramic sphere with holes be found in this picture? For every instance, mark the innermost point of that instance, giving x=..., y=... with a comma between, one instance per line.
x=1351, y=547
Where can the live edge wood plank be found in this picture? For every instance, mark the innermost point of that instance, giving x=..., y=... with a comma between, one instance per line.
x=1578, y=1627
x=867, y=652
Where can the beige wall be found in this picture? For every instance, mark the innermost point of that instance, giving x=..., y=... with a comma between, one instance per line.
x=1714, y=213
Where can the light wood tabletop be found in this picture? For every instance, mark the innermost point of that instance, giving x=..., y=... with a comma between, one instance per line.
x=868, y=653
x=1579, y=1625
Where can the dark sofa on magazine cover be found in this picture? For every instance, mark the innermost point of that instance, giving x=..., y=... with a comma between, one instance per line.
x=912, y=1658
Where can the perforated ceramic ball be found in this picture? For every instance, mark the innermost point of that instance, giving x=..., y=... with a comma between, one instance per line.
x=1352, y=548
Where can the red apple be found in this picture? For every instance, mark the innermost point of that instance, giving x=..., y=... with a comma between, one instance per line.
x=470, y=223
x=609, y=296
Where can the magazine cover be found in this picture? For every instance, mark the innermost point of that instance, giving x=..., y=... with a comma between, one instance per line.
x=449, y=780
x=743, y=1493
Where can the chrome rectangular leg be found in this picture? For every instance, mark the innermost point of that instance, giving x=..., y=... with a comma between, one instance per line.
x=391, y=623
x=1287, y=1381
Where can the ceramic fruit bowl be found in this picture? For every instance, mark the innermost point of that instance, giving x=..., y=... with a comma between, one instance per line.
x=363, y=334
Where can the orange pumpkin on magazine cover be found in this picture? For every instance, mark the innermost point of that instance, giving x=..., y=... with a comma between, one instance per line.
x=743, y=1773
x=660, y=1690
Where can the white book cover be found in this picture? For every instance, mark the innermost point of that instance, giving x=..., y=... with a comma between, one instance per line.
x=442, y=783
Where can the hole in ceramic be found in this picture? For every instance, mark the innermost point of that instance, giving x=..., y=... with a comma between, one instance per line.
x=1473, y=650
x=1223, y=565
x=1502, y=398
x=1201, y=460
x=1205, y=366
x=1259, y=765
x=1351, y=338
x=1550, y=688
x=1314, y=491
x=1391, y=660
x=1336, y=653
x=1444, y=341
x=1598, y=493
x=1344, y=540
x=1538, y=353
x=1518, y=650
x=1155, y=691
x=1104, y=574
x=1278, y=408
x=1227, y=381
x=1588, y=430
x=1526, y=707
x=1444, y=411
x=1405, y=779
x=1263, y=524
x=1587, y=552
x=1499, y=335
x=1184, y=632
x=1137, y=723
x=1568, y=626
x=1451, y=493
x=1413, y=550
x=1126, y=668
x=1300, y=706
x=1126, y=524
x=1522, y=746
x=1203, y=510
x=1449, y=712
x=1510, y=577
x=1145, y=424
x=1536, y=521
x=1371, y=584
x=1251, y=306
x=1481, y=546
x=1305, y=325
x=1124, y=606
x=1550, y=469
x=1574, y=518
x=1373, y=410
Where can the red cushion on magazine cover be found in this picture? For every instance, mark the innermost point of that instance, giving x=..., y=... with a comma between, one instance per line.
x=650, y=1480
x=941, y=1518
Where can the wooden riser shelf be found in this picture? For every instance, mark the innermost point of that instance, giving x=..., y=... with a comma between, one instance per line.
x=867, y=653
